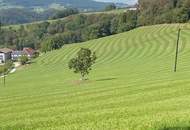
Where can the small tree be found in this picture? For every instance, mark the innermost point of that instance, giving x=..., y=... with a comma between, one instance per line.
x=24, y=59
x=83, y=62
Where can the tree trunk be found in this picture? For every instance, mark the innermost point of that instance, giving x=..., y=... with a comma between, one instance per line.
x=83, y=77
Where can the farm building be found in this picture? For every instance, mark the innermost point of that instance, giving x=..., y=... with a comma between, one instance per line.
x=16, y=54
x=29, y=52
x=5, y=54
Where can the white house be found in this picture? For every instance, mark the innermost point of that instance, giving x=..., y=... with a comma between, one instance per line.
x=29, y=52
x=132, y=8
x=5, y=54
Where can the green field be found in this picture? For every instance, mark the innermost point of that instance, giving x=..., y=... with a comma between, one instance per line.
x=132, y=86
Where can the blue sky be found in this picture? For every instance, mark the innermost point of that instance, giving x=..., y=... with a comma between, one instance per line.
x=123, y=1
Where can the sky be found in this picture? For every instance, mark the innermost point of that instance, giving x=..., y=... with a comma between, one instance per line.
x=123, y=1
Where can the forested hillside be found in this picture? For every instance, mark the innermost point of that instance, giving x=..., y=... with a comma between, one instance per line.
x=27, y=11
x=48, y=36
x=23, y=15
x=81, y=4
x=163, y=11
x=77, y=28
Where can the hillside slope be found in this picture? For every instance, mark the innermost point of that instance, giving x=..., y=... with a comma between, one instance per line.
x=84, y=4
x=132, y=86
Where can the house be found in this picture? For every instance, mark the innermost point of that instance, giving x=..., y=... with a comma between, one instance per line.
x=132, y=8
x=17, y=54
x=29, y=52
x=5, y=54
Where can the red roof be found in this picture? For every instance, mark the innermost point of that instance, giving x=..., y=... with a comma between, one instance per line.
x=29, y=51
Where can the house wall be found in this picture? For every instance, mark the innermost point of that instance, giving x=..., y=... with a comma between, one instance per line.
x=8, y=56
x=15, y=56
x=2, y=57
x=5, y=56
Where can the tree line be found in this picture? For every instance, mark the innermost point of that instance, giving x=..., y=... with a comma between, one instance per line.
x=23, y=15
x=48, y=36
x=163, y=11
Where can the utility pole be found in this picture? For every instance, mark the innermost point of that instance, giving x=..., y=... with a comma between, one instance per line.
x=4, y=74
x=4, y=79
x=177, y=50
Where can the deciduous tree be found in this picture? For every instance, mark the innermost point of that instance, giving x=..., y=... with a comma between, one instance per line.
x=83, y=62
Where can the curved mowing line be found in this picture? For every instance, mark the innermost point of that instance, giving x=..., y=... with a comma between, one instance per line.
x=106, y=51
x=149, y=38
x=142, y=38
x=93, y=46
x=163, y=42
x=133, y=50
x=115, y=51
x=122, y=52
x=173, y=39
x=139, y=40
x=157, y=43
x=142, y=41
x=183, y=42
x=126, y=50
x=166, y=44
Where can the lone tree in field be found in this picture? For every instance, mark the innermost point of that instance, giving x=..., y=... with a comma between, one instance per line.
x=83, y=62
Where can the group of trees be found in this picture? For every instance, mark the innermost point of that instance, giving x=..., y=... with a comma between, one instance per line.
x=163, y=11
x=23, y=15
x=63, y=13
x=48, y=36
x=52, y=35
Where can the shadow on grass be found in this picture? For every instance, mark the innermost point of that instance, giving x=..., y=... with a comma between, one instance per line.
x=31, y=62
x=176, y=128
x=106, y=79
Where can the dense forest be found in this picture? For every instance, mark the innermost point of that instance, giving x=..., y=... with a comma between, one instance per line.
x=48, y=36
x=163, y=11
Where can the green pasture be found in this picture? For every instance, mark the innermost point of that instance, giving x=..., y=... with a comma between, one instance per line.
x=132, y=86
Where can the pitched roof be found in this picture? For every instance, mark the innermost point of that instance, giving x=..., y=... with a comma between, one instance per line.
x=29, y=51
x=5, y=50
x=18, y=53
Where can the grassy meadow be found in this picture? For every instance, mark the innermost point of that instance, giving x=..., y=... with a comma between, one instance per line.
x=132, y=86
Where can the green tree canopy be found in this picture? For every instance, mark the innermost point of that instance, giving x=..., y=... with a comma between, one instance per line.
x=83, y=62
x=24, y=59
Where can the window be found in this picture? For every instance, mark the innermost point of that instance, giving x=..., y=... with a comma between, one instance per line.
x=1, y=57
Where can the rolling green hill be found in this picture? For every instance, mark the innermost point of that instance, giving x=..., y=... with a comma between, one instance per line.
x=116, y=11
x=132, y=86
x=32, y=4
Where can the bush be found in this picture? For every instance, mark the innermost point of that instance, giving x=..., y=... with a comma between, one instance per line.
x=24, y=59
x=6, y=67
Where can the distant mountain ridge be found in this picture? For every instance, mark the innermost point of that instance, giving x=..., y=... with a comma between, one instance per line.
x=80, y=4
